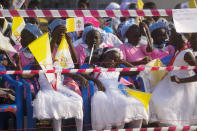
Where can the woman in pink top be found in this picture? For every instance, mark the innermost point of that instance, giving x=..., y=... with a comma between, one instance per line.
x=132, y=51
x=91, y=36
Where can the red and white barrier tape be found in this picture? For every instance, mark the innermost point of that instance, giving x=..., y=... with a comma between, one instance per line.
x=100, y=70
x=185, y=128
x=84, y=13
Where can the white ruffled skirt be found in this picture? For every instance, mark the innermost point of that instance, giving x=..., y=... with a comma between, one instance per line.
x=112, y=108
x=61, y=104
x=174, y=104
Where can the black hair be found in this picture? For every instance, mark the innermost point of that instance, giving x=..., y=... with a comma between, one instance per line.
x=33, y=4
x=150, y=5
x=32, y=20
x=84, y=2
x=132, y=6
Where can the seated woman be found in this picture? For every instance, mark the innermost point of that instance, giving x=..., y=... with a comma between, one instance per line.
x=110, y=107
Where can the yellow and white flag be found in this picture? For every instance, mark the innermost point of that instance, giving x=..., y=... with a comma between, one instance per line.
x=140, y=4
x=63, y=57
x=41, y=50
x=5, y=44
x=18, y=3
x=156, y=75
x=17, y=27
x=141, y=96
x=189, y=4
x=75, y=24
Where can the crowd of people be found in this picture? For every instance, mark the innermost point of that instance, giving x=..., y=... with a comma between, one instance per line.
x=107, y=43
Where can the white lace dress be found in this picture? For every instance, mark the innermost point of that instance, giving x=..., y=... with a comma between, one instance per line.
x=172, y=103
x=112, y=107
x=61, y=104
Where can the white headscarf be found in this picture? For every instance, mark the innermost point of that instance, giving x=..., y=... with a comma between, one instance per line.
x=113, y=6
x=125, y=3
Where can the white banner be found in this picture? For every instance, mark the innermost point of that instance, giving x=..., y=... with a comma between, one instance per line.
x=185, y=20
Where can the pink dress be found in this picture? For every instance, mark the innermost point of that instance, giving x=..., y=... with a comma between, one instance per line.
x=133, y=53
x=163, y=52
x=83, y=51
x=28, y=61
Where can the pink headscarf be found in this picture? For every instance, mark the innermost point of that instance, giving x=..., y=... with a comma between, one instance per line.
x=92, y=20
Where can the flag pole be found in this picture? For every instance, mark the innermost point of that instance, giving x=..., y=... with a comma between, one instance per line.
x=148, y=40
x=91, y=54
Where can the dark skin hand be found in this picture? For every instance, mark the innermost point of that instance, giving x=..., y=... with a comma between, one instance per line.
x=77, y=77
x=57, y=36
x=142, y=62
x=10, y=62
x=96, y=81
x=150, y=45
x=19, y=66
x=190, y=59
x=129, y=73
x=89, y=76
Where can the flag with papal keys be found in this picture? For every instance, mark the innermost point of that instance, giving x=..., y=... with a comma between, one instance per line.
x=17, y=27
x=75, y=24
x=5, y=44
x=18, y=3
x=63, y=57
x=41, y=50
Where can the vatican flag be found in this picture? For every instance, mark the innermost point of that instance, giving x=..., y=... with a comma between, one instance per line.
x=75, y=24
x=63, y=57
x=41, y=50
x=17, y=27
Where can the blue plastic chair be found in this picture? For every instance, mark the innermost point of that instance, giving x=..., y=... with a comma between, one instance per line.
x=31, y=122
x=16, y=108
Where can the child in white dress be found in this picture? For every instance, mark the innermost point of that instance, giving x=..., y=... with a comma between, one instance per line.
x=110, y=106
x=173, y=101
x=58, y=104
